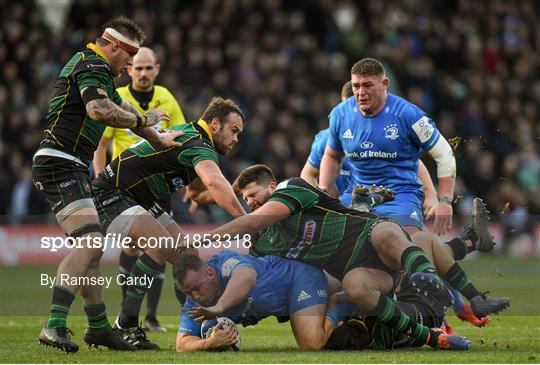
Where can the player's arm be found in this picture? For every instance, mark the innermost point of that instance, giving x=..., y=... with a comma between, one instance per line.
x=220, y=338
x=100, y=155
x=102, y=109
x=446, y=173
x=330, y=165
x=268, y=214
x=218, y=187
x=241, y=282
x=430, y=193
x=198, y=192
x=155, y=138
x=310, y=174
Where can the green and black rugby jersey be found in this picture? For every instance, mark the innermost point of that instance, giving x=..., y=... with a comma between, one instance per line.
x=68, y=127
x=320, y=230
x=146, y=173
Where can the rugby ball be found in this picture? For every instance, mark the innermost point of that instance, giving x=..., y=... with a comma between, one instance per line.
x=207, y=327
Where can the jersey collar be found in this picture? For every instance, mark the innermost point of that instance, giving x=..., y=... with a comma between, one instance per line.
x=98, y=51
x=202, y=123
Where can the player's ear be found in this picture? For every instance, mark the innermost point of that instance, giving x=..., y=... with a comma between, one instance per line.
x=214, y=125
x=158, y=67
x=272, y=186
x=385, y=83
x=211, y=272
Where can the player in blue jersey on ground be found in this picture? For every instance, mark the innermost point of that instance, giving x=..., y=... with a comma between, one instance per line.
x=247, y=289
x=383, y=136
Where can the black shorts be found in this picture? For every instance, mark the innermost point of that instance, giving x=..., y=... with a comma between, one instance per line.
x=118, y=211
x=64, y=183
x=367, y=257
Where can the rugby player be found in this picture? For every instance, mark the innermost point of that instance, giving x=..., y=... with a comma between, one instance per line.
x=299, y=221
x=144, y=95
x=247, y=289
x=310, y=173
x=383, y=135
x=84, y=102
x=126, y=194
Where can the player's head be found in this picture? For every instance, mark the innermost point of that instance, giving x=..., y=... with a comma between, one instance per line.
x=196, y=279
x=226, y=122
x=346, y=91
x=349, y=336
x=120, y=41
x=256, y=183
x=144, y=69
x=369, y=85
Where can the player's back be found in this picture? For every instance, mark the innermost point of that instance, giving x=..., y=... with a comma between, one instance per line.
x=147, y=173
x=320, y=230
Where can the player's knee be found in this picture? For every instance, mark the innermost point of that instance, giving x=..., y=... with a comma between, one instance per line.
x=315, y=342
x=359, y=294
x=385, y=235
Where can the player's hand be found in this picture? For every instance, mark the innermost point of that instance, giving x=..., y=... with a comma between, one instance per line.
x=155, y=116
x=222, y=337
x=443, y=217
x=167, y=139
x=430, y=201
x=202, y=313
x=193, y=205
x=466, y=314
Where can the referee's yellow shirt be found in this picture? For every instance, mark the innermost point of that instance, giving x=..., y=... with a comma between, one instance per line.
x=162, y=99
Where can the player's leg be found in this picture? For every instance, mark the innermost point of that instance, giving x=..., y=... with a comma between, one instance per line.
x=160, y=212
x=128, y=258
x=310, y=327
x=66, y=187
x=366, y=288
x=449, y=269
x=308, y=296
x=397, y=252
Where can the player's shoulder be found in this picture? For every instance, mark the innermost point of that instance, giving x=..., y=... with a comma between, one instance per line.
x=225, y=262
x=123, y=91
x=403, y=109
x=91, y=62
x=162, y=92
x=294, y=184
x=344, y=107
x=321, y=136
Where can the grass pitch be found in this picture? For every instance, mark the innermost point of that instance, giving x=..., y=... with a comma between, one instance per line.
x=510, y=338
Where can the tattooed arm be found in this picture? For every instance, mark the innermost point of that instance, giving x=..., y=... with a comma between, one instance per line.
x=103, y=109
x=147, y=133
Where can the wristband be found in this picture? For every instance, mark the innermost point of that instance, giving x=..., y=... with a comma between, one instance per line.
x=445, y=200
x=141, y=121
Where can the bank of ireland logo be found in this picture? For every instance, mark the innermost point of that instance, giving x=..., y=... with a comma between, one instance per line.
x=391, y=132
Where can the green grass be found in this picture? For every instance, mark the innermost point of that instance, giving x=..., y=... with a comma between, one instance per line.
x=509, y=338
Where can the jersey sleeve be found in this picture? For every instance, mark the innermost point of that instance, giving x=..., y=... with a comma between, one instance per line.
x=187, y=324
x=334, y=141
x=116, y=98
x=93, y=73
x=296, y=198
x=196, y=152
x=422, y=129
x=317, y=150
x=228, y=265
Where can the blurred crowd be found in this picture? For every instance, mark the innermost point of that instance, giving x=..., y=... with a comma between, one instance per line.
x=474, y=66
